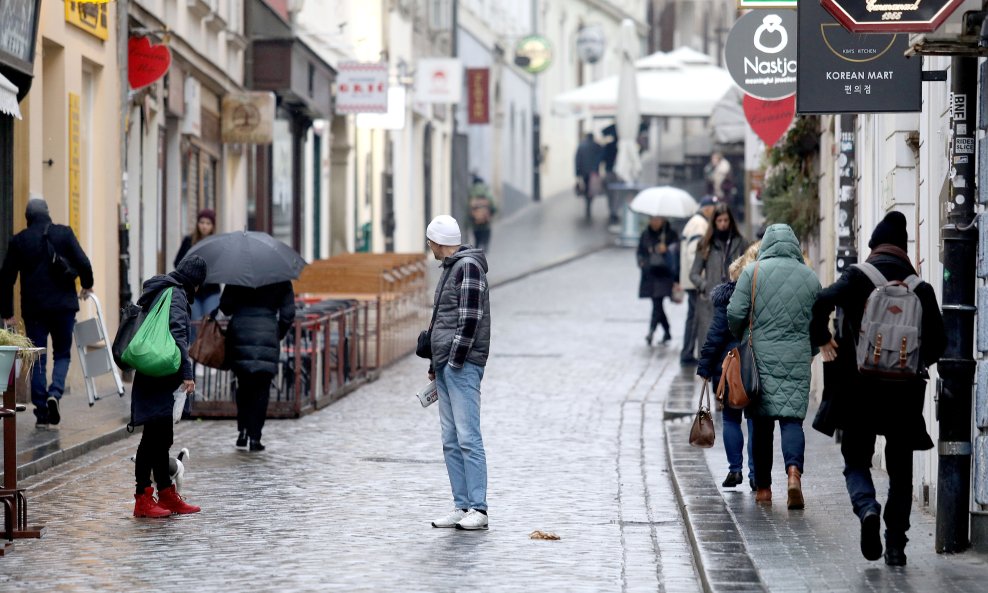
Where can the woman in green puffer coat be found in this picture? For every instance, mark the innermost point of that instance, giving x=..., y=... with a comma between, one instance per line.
x=785, y=290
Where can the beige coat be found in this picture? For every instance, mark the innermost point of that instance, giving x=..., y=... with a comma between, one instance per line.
x=694, y=230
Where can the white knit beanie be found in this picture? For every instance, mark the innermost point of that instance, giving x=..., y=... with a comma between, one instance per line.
x=443, y=230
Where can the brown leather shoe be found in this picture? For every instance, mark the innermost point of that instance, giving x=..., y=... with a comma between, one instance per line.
x=763, y=496
x=795, y=489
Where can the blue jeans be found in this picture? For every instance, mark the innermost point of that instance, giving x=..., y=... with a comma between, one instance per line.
x=201, y=308
x=463, y=447
x=734, y=441
x=793, y=446
x=858, y=448
x=59, y=324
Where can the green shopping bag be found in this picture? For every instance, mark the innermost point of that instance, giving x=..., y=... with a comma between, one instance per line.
x=153, y=350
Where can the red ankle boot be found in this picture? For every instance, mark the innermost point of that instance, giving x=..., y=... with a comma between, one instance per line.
x=172, y=500
x=146, y=506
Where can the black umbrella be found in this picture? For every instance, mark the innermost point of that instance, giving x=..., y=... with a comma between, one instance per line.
x=248, y=258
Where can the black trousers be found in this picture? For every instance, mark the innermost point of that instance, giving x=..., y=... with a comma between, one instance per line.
x=658, y=316
x=482, y=237
x=152, y=454
x=253, y=394
x=858, y=448
x=688, y=354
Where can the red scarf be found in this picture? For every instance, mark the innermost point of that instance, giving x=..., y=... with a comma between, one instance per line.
x=889, y=249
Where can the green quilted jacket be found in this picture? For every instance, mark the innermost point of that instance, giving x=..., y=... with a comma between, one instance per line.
x=786, y=290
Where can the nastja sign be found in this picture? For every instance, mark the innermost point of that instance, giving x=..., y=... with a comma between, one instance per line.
x=891, y=16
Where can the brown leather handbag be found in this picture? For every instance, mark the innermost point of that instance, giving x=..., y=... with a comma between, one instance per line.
x=209, y=349
x=739, y=373
x=702, y=433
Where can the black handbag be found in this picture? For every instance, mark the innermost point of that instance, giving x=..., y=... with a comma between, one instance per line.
x=423, y=347
x=131, y=317
x=58, y=265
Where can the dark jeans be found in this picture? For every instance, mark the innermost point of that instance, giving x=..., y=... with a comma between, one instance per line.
x=59, y=324
x=253, y=393
x=482, y=237
x=658, y=316
x=734, y=441
x=152, y=454
x=793, y=446
x=688, y=354
x=858, y=449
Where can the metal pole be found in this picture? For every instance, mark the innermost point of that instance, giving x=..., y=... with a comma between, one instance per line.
x=536, y=120
x=956, y=368
x=123, y=227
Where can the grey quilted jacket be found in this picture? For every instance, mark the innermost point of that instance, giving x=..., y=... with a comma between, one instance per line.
x=785, y=292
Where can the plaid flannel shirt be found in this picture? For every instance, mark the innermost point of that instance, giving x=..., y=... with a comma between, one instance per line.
x=471, y=311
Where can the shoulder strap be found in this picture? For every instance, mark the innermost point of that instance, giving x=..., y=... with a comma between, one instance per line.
x=913, y=282
x=751, y=313
x=876, y=277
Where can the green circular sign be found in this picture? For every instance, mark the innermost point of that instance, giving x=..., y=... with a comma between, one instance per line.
x=533, y=53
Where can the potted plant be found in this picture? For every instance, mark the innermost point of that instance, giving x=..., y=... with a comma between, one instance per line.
x=12, y=345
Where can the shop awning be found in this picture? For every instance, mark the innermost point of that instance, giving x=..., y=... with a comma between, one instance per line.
x=8, y=98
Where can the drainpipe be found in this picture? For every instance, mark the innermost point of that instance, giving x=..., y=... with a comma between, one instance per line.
x=123, y=224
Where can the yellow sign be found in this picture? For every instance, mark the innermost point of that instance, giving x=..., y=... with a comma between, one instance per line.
x=75, y=161
x=92, y=17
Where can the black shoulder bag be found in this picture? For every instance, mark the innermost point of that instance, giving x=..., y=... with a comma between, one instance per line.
x=59, y=266
x=423, y=349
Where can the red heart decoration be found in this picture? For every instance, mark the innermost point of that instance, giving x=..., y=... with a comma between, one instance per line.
x=146, y=63
x=769, y=119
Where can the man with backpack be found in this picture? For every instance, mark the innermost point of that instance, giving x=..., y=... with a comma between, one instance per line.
x=49, y=259
x=889, y=331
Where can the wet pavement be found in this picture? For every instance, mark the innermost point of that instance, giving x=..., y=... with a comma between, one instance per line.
x=342, y=498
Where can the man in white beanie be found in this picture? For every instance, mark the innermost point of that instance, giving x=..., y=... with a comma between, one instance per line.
x=460, y=339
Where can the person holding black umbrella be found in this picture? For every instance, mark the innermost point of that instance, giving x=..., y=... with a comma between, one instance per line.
x=257, y=270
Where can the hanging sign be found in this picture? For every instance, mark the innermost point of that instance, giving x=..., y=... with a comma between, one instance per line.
x=843, y=72
x=478, y=96
x=769, y=119
x=760, y=53
x=847, y=180
x=438, y=80
x=146, y=63
x=891, y=16
x=362, y=87
x=533, y=53
x=247, y=117
x=91, y=17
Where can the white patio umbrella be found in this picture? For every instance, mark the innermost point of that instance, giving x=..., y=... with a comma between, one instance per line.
x=666, y=201
x=628, y=164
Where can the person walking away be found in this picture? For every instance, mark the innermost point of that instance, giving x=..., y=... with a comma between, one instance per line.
x=784, y=292
x=695, y=229
x=720, y=245
x=259, y=320
x=608, y=157
x=719, y=342
x=865, y=406
x=153, y=398
x=208, y=297
x=658, y=260
x=48, y=258
x=461, y=343
x=588, y=157
x=482, y=211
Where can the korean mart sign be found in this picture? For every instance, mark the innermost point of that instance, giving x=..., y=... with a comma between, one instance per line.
x=891, y=16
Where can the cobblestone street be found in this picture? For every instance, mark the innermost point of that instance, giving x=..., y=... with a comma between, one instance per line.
x=342, y=498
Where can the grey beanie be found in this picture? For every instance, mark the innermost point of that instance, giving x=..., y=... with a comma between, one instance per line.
x=36, y=206
x=192, y=270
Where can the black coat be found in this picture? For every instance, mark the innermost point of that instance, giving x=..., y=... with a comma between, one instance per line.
x=153, y=397
x=719, y=340
x=656, y=282
x=870, y=404
x=588, y=156
x=27, y=255
x=259, y=319
x=206, y=290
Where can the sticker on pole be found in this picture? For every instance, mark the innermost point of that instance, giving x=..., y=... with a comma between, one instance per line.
x=760, y=53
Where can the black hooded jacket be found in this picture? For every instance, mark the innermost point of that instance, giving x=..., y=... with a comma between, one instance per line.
x=27, y=255
x=153, y=397
x=259, y=319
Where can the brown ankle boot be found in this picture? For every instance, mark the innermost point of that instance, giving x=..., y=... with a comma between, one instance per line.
x=763, y=496
x=795, y=489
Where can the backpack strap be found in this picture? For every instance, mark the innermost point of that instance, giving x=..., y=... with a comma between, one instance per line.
x=876, y=277
x=913, y=282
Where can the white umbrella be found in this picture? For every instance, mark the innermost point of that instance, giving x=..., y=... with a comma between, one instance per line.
x=628, y=164
x=665, y=200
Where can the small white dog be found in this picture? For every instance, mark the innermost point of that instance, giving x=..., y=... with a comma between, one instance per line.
x=176, y=468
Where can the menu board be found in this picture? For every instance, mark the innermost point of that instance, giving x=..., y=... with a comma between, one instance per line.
x=17, y=33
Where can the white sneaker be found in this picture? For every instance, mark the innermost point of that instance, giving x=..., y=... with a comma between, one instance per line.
x=473, y=520
x=450, y=520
